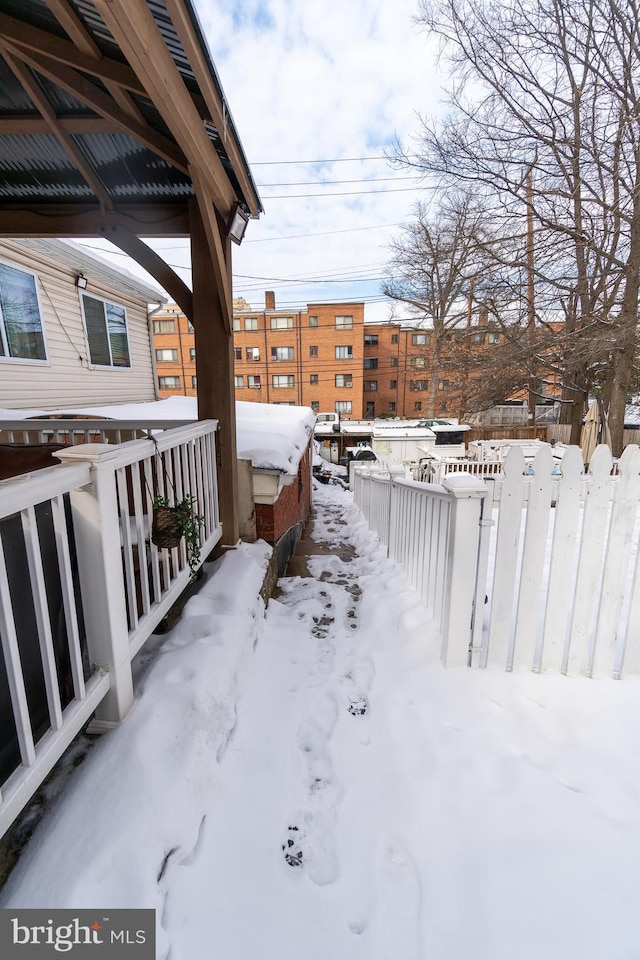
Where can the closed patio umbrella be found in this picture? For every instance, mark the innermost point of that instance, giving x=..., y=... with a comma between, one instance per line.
x=594, y=431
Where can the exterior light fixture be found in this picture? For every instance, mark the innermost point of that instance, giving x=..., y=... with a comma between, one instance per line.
x=81, y=282
x=237, y=223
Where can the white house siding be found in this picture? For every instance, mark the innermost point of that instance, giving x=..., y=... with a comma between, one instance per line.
x=66, y=379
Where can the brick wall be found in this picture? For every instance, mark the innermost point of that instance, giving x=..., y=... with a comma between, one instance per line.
x=291, y=508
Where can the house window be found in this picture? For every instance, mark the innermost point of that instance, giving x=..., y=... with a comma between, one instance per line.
x=478, y=337
x=166, y=355
x=417, y=405
x=251, y=323
x=443, y=384
x=313, y=378
x=370, y=385
x=106, y=326
x=419, y=362
x=190, y=327
x=164, y=326
x=194, y=383
x=253, y=353
x=418, y=384
x=371, y=409
x=254, y=382
x=344, y=380
x=393, y=384
x=282, y=381
x=281, y=323
x=236, y=324
x=313, y=351
x=237, y=353
x=168, y=383
x=420, y=338
x=344, y=323
x=392, y=406
x=344, y=353
x=343, y=406
x=238, y=382
x=282, y=353
x=494, y=338
x=370, y=340
x=21, y=334
x=371, y=363
x=394, y=338
x=313, y=321
x=315, y=405
x=192, y=354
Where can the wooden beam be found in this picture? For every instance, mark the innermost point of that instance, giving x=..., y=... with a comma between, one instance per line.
x=214, y=240
x=153, y=264
x=31, y=124
x=201, y=69
x=86, y=220
x=214, y=369
x=64, y=139
x=133, y=27
x=104, y=105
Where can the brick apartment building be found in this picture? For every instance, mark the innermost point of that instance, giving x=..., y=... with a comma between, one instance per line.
x=327, y=358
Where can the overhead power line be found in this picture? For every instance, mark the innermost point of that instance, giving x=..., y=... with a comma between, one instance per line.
x=323, y=183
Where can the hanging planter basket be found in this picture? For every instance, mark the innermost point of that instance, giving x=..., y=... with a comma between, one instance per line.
x=166, y=527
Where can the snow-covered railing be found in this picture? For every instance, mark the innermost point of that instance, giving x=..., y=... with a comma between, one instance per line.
x=435, y=470
x=82, y=587
x=73, y=430
x=554, y=586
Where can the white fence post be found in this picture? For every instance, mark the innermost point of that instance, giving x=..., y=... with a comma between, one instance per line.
x=466, y=494
x=97, y=535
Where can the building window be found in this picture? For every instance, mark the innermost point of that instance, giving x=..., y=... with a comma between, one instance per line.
x=394, y=338
x=238, y=382
x=106, y=326
x=419, y=362
x=371, y=363
x=478, y=338
x=253, y=353
x=344, y=353
x=21, y=334
x=164, y=326
x=494, y=338
x=313, y=378
x=194, y=383
x=282, y=353
x=166, y=355
x=282, y=323
x=371, y=409
x=236, y=324
x=251, y=323
x=393, y=362
x=283, y=403
x=370, y=340
x=192, y=354
x=168, y=383
x=313, y=321
x=418, y=384
x=417, y=405
x=393, y=384
x=282, y=381
x=420, y=338
x=254, y=382
x=344, y=323
x=237, y=353
x=313, y=351
x=190, y=327
x=392, y=406
x=344, y=380
x=370, y=385
x=443, y=384
x=343, y=406
x=315, y=405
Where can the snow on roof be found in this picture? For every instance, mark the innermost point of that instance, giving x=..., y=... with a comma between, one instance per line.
x=272, y=436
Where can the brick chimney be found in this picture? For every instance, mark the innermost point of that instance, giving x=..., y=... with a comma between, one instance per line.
x=269, y=300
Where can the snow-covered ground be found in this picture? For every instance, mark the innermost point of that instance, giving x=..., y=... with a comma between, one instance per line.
x=311, y=783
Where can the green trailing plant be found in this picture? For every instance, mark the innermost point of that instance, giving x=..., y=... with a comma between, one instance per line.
x=172, y=523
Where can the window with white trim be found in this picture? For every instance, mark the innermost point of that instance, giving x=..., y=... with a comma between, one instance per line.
x=370, y=340
x=313, y=321
x=21, y=332
x=344, y=352
x=419, y=362
x=254, y=382
x=237, y=353
x=167, y=355
x=284, y=380
x=106, y=326
x=494, y=338
x=168, y=383
x=192, y=354
x=344, y=323
x=253, y=353
x=164, y=326
x=236, y=324
x=281, y=323
x=344, y=380
x=238, y=382
x=251, y=323
x=418, y=384
x=282, y=353
x=194, y=383
x=420, y=338
x=343, y=406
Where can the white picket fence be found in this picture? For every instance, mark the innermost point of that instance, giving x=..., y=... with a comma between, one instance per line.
x=82, y=587
x=555, y=557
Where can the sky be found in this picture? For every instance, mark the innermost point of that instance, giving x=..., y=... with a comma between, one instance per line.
x=310, y=781
x=319, y=93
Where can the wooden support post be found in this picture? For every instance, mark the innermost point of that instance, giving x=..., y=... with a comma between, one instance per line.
x=214, y=367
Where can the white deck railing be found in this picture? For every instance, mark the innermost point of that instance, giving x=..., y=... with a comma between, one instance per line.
x=82, y=587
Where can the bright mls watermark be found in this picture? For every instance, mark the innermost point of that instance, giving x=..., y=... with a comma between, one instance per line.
x=79, y=933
